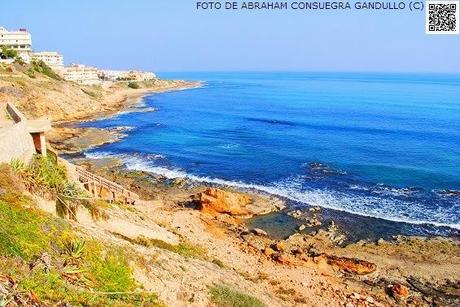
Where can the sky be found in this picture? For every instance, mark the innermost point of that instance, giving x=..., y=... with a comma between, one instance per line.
x=171, y=35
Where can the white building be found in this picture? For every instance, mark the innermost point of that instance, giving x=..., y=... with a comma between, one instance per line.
x=19, y=40
x=51, y=58
x=125, y=75
x=81, y=74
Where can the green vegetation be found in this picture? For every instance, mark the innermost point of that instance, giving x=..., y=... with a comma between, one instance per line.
x=41, y=67
x=7, y=53
x=47, y=261
x=90, y=93
x=184, y=248
x=45, y=177
x=133, y=85
x=218, y=262
x=224, y=296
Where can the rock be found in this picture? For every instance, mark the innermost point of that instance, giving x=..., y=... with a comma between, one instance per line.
x=220, y=201
x=313, y=222
x=260, y=232
x=302, y=227
x=315, y=209
x=356, y=296
x=179, y=182
x=268, y=251
x=254, y=241
x=282, y=258
x=352, y=265
x=297, y=251
x=279, y=246
x=312, y=252
x=398, y=291
x=370, y=300
x=380, y=241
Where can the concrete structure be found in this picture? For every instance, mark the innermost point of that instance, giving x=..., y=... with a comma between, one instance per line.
x=51, y=58
x=125, y=75
x=21, y=138
x=81, y=74
x=19, y=40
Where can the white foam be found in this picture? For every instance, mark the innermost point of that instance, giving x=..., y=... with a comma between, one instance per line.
x=292, y=189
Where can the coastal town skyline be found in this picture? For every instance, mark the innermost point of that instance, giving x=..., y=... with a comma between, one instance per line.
x=187, y=39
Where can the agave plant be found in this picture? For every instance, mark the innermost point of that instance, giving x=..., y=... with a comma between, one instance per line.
x=75, y=248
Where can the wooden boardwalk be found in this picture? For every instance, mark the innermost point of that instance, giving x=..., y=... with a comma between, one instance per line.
x=105, y=189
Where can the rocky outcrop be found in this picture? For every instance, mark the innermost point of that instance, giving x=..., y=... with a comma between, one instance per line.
x=213, y=200
x=351, y=265
x=220, y=201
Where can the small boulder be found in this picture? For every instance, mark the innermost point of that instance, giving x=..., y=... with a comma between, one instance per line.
x=260, y=232
x=268, y=251
x=282, y=258
x=398, y=291
x=302, y=227
x=279, y=246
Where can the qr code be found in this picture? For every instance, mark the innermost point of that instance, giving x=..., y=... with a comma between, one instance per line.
x=442, y=17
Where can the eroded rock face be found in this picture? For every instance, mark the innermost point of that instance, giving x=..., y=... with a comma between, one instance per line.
x=351, y=265
x=220, y=201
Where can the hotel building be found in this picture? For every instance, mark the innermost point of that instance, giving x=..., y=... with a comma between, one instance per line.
x=51, y=58
x=81, y=74
x=20, y=40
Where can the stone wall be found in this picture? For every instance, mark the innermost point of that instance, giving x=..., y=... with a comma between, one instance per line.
x=16, y=143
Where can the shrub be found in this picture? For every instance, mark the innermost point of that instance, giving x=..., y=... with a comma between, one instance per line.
x=8, y=53
x=108, y=269
x=224, y=296
x=26, y=233
x=218, y=262
x=184, y=248
x=41, y=67
x=133, y=85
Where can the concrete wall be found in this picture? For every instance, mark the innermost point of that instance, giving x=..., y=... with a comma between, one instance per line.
x=16, y=143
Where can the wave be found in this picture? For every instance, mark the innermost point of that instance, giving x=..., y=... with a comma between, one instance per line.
x=292, y=189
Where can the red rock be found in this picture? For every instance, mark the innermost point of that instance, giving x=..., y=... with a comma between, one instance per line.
x=220, y=201
x=398, y=291
x=352, y=265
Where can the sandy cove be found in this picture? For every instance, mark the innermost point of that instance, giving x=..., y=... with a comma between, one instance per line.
x=309, y=268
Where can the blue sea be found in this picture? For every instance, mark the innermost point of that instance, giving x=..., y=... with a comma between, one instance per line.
x=385, y=146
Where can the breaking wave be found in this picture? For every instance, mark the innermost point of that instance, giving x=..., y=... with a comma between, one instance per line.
x=293, y=188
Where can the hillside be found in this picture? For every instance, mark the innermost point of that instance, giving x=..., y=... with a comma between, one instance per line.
x=40, y=93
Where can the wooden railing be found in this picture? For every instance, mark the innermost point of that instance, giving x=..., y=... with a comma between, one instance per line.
x=113, y=187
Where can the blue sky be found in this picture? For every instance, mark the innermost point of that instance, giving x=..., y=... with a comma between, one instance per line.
x=168, y=35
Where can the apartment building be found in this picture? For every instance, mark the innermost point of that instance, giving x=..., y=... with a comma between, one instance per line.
x=125, y=75
x=81, y=74
x=51, y=58
x=20, y=40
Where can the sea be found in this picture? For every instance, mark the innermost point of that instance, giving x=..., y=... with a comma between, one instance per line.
x=377, y=151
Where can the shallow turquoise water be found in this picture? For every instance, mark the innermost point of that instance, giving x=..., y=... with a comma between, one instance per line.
x=380, y=145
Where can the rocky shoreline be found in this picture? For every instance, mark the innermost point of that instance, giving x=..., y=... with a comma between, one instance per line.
x=400, y=271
